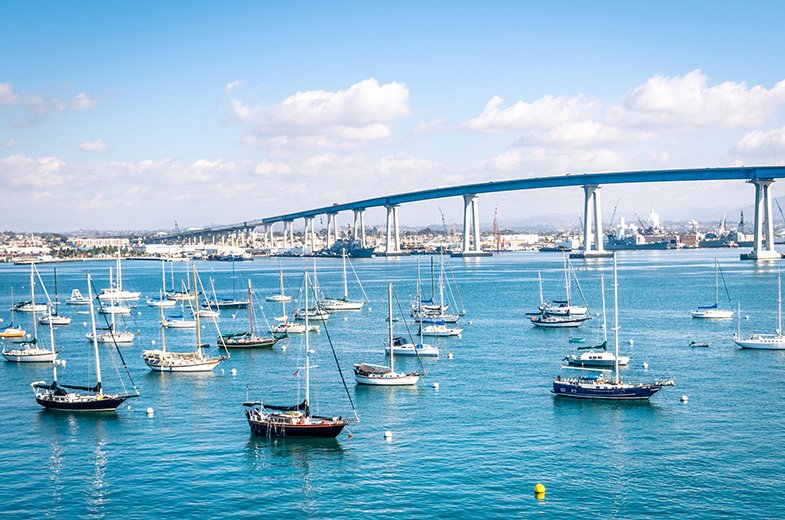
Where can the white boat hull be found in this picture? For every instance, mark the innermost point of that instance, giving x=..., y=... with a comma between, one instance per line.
x=440, y=332
x=713, y=314
x=161, y=303
x=44, y=356
x=386, y=380
x=278, y=298
x=762, y=343
x=109, y=294
x=341, y=305
x=180, y=324
x=119, y=337
x=206, y=366
x=413, y=350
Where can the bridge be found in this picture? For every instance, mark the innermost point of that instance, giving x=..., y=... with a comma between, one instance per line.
x=761, y=178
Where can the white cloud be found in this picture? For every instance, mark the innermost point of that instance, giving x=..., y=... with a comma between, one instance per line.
x=548, y=161
x=81, y=102
x=18, y=171
x=38, y=107
x=10, y=143
x=362, y=112
x=7, y=96
x=689, y=101
x=96, y=146
x=762, y=143
x=544, y=113
x=233, y=85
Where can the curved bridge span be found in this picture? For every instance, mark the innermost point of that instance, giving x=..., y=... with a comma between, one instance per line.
x=761, y=177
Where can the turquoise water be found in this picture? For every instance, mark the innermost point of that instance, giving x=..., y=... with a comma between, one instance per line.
x=477, y=446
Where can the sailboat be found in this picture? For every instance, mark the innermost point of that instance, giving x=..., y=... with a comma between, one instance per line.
x=294, y=421
x=77, y=298
x=29, y=351
x=12, y=330
x=284, y=326
x=53, y=317
x=342, y=304
x=402, y=346
x=228, y=303
x=597, y=356
x=774, y=341
x=281, y=296
x=179, y=321
x=564, y=307
x=426, y=311
x=185, y=294
x=115, y=291
x=378, y=375
x=72, y=398
x=597, y=386
x=162, y=360
x=714, y=311
x=248, y=339
x=554, y=320
x=162, y=301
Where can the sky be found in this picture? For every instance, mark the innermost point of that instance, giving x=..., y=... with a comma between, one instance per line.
x=139, y=114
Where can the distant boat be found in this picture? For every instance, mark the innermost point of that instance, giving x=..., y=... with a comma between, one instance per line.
x=12, y=330
x=77, y=298
x=281, y=296
x=343, y=304
x=163, y=360
x=248, y=339
x=557, y=322
x=379, y=375
x=29, y=351
x=597, y=356
x=564, y=307
x=757, y=341
x=115, y=290
x=162, y=301
x=294, y=421
x=598, y=386
x=714, y=311
x=439, y=330
x=53, y=317
x=404, y=347
x=702, y=344
x=227, y=303
x=71, y=398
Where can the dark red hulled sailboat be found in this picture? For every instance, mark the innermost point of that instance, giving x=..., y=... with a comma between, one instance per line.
x=295, y=421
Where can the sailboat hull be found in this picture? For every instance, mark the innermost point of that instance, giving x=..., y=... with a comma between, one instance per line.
x=716, y=314
x=81, y=403
x=45, y=356
x=329, y=430
x=762, y=343
x=607, y=391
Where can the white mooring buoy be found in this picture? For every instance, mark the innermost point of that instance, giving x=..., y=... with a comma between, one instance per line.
x=388, y=435
x=436, y=386
x=684, y=399
x=150, y=412
x=234, y=371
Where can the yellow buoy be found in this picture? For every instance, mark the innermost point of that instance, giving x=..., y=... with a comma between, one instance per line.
x=539, y=489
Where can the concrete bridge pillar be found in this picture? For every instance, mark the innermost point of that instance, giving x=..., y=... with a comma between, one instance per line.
x=393, y=243
x=763, y=245
x=356, y=224
x=335, y=227
x=472, y=243
x=363, y=240
x=330, y=218
x=592, y=224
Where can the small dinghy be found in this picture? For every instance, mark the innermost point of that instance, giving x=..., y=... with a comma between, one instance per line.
x=701, y=344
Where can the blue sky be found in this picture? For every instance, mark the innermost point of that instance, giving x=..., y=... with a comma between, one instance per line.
x=132, y=115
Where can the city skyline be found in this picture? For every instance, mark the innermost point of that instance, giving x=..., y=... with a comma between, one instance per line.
x=134, y=116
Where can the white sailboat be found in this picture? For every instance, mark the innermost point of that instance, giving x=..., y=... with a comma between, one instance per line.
x=283, y=326
x=564, y=307
x=597, y=356
x=757, y=341
x=714, y=311
x=426, y=311
x=163, y=360
x=378, y=375
x=52, y=317
x=162, y=301
x=13, y=329
x=115, y=291
x=281, y=296
x=29, y=351
x=343, y=304
x=77, y=298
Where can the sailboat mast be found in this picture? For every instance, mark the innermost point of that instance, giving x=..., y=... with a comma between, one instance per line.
x=119, y=271
x=616, y=319
x=95, y=335
x=52, y=335
x=195, y=308
x=57, y=298
x=250, y=306
x=604, y=315
x=163, y=279
x=716, y=283
x=345, y=287
x=163, y=327
x=32, y=302
x=390, y=327
x=567, y=280
x=539, y=280
x=307, y=348
x=779, y=304
x=432, y=291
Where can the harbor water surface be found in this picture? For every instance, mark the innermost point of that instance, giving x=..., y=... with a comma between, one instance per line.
x=475, y=447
